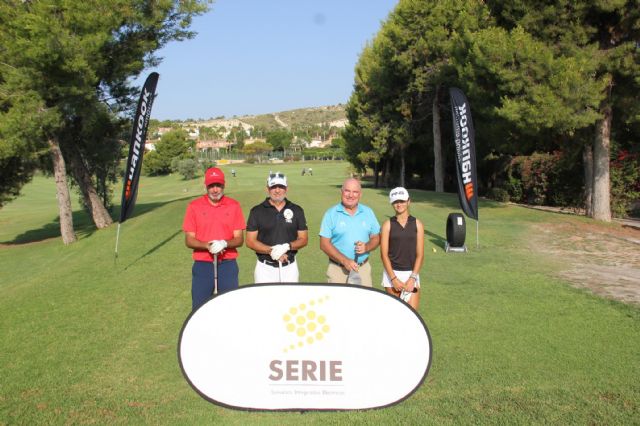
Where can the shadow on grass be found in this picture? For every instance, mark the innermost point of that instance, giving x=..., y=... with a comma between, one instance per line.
x=437, y=240
x=156, y=247
x=82, y=224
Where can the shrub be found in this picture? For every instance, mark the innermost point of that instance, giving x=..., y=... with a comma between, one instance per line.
x=513, y=186
x=187, y=168
x=174, y=164
x=556, y=179
x=173, y=144
x=550, y=179
x=625, y=183
x=498, y=194
x=206, y=164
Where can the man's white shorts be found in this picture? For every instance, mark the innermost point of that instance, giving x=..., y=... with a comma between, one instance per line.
x=273, y=274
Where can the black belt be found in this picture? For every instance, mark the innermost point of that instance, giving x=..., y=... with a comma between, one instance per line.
x=275, y=263
x=340, y=264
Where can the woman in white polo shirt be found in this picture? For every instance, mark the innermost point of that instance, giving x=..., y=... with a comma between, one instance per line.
x=402, y=250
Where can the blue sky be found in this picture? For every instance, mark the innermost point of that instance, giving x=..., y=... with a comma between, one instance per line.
x=262, y=56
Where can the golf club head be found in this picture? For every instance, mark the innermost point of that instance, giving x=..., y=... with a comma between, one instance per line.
x=354, y=278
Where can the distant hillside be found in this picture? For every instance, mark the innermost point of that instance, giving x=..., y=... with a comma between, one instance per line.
x=333, y=115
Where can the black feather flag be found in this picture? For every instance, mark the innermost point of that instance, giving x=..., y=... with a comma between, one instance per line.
x=136, y=150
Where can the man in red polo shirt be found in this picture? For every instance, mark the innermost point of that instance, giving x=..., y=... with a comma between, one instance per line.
x=213, y=224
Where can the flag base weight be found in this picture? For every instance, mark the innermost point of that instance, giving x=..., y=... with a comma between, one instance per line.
x=456, y=233
x=448, y=248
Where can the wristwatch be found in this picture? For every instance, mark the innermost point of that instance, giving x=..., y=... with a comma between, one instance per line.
x=414, y=276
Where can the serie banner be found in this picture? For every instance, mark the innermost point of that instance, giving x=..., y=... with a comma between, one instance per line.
x=464, y=135
x=136, y=147
x=305, y=346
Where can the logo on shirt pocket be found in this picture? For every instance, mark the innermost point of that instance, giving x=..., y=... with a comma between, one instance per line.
x=288, y=215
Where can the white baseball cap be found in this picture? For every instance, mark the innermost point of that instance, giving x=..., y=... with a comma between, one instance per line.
x=276, y=178
x=398, y=194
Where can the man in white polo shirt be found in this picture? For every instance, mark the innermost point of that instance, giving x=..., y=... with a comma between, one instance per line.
x=276, y=230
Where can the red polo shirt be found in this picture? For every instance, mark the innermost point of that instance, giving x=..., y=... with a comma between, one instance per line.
x=211, y=222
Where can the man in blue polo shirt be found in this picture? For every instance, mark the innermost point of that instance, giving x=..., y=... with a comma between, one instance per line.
x=348, y=233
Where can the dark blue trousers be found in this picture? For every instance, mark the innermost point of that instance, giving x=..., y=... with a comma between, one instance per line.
x=202, y=280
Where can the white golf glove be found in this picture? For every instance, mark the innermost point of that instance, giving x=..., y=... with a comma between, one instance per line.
x=216, y=246
x=278, y=250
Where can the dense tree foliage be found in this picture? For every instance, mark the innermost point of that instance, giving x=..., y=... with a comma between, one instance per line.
x=210, y=133
x=237, y=135
x=541, y=77
x=398, y=79
x=65, y=72
x=257, y=148
x=173, y=146
x=279, y=139
x=607, y=35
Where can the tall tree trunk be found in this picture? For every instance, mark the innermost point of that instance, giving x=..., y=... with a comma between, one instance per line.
x=385, y=173
x=376, y=174
x=62, y=193
x=587, y=161
x=438, y=171
x=99, y=214
x=601, y=204
x=403, y=168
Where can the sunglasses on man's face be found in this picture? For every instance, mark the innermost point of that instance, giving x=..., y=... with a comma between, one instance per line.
x=278, y=187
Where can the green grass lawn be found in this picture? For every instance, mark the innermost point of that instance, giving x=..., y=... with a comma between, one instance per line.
x=86, y=339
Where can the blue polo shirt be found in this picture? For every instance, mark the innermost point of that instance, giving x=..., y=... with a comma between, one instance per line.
x=344, y=230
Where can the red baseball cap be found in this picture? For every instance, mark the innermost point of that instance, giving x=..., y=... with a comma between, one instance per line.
x=213, y=175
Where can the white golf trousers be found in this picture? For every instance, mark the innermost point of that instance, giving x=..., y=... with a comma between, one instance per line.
x=268, y=274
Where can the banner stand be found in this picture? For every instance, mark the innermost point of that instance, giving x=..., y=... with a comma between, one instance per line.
x=136, y=151
x=117, y=240
x=456, y=233
x=464, y=138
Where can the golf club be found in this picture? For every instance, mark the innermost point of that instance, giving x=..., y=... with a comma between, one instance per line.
x=354, y=276
x=405, y=295
x=279, y=270
x=215, y=274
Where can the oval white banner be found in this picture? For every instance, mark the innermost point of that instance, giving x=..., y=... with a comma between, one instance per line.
x=305, y=347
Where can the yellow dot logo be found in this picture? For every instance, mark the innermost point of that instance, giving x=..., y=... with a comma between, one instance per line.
x=304, y=324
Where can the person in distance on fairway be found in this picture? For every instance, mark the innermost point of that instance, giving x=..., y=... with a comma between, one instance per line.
x=348, y=233
x=276, y=230
x=213, y=225
x=402, y=250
